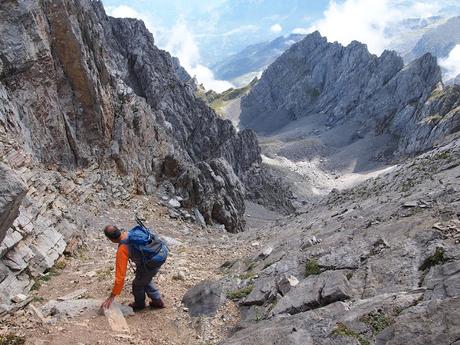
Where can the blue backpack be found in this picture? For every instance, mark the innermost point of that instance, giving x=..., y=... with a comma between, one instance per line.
x=152, y=249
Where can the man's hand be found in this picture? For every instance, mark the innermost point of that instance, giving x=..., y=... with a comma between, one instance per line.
x=108, y=302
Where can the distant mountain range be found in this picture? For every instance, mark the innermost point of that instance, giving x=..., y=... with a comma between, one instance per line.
x=439, y=40
x=411, y=38
x=242, y=67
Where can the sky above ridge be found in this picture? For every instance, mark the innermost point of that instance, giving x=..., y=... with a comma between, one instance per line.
x=204, y=32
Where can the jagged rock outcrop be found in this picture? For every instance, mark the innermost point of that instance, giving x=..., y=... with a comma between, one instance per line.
x=108, y=95
x=12, y=191
x=351, y=87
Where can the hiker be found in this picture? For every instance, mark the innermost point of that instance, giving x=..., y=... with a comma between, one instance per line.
x=148, y=253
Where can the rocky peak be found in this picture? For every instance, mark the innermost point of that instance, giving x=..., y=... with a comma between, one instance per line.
x=374, y=94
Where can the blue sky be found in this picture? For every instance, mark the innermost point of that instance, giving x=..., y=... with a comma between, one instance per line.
x=224, y=26
x=203, y=32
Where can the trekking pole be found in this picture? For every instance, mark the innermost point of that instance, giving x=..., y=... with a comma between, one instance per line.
x=139, y=221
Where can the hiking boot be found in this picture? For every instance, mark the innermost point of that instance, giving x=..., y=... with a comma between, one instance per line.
x=136, y=307
x=157, y=304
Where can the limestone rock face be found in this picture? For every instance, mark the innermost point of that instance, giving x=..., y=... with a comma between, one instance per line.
x=12, y=191
x=108, y=95
x=353, y=88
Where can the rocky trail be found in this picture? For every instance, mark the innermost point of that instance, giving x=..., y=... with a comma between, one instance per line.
x=197, y=255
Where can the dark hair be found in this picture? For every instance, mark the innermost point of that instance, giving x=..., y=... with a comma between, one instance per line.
x=112, y=232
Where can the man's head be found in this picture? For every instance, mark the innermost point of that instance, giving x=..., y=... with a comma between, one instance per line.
x=112, y=233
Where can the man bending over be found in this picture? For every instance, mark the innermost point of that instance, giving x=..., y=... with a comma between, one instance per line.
x=146, y=266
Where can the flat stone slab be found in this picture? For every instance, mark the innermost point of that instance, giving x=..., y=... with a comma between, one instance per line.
x=76, y=307
x=115, y=318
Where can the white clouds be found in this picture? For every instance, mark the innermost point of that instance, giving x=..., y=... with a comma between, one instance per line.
x=276, y=28
x=360, y=20
x=366, y=21
x=182, y=43
x=452, y=63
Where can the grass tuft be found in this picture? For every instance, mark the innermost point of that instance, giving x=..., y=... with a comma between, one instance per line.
x=241, y=293
x=344, y=331
x=437, y=258
x=312, y=268
x=378, y=321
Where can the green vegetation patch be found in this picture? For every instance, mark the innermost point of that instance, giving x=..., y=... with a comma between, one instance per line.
x=344, y=331
x=241, y=293
x=12, y=339
x=52, y=272
x=437, y=258
x=378, y=321
x=442, y=155
x=312, y=268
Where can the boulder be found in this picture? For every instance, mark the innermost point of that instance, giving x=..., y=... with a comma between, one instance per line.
x=314, y=292
x=204, y=299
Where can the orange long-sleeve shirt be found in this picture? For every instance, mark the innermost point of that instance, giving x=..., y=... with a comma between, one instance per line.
x=121, y=265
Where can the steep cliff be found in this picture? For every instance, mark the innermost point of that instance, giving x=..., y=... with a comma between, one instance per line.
x=349, y=87
x=80, y=87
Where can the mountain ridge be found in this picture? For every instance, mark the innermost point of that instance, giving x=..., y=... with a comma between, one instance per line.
x=347, y=85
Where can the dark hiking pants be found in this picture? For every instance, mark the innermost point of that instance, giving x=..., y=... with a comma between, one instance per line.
x=143, y=284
